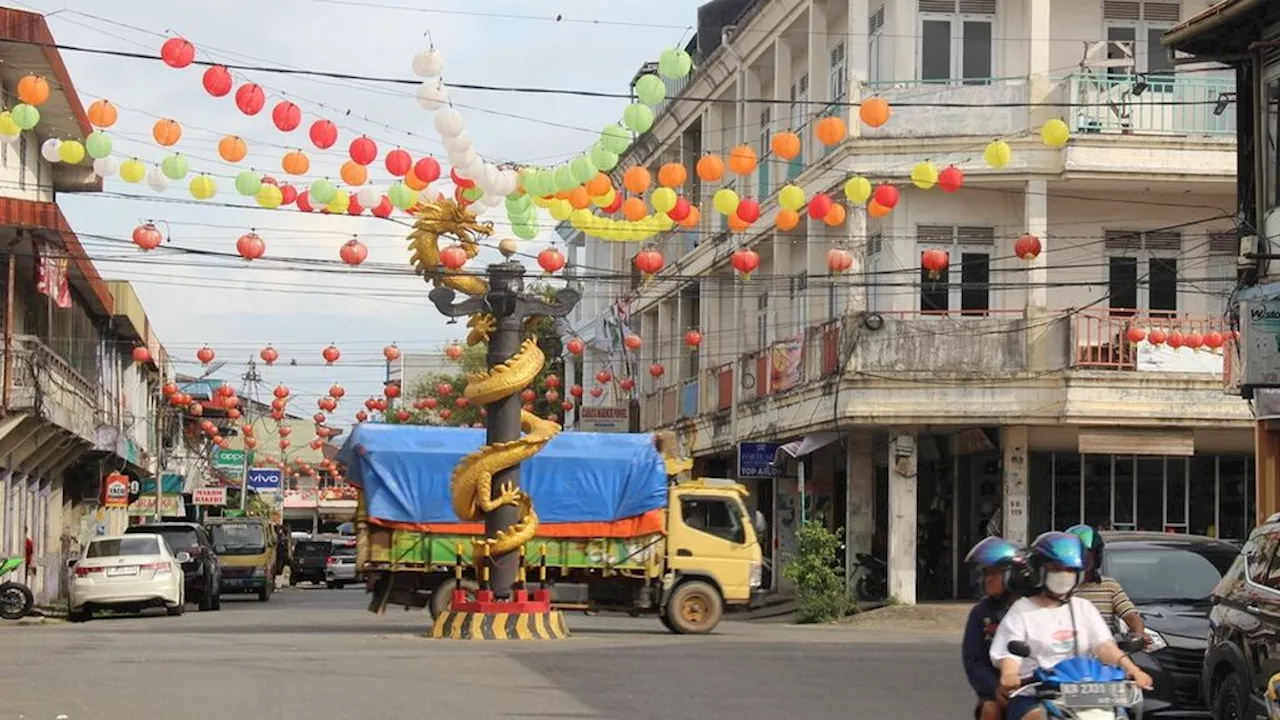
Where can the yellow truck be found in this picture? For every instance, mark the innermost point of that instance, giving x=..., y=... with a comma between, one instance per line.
x=691, y=553
x=246, y=549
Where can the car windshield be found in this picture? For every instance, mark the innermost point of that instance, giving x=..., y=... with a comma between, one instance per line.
x=238, y=538
x=115, y=547
x=1168, y=573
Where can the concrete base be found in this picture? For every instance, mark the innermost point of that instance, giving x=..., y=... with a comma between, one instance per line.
x=462, y=625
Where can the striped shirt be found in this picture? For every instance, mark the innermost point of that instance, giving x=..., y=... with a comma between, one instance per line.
x=1108, y=597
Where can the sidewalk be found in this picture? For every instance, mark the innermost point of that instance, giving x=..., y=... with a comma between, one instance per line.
x=944, y=618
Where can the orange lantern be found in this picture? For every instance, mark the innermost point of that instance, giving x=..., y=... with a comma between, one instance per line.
x=835, y=216
x=737, y=224
x=166, y=132
x=353, y=173
x=636, y=179
x=634, y=209
x=830, y=131
x=579, y=198
x=295, y=162
x=874, y=112
x=33, y=90
x=742, y=160
x=232, y=148
x=693, y=219
x=102, y=114
x=710, y=168
x=876, y=210
x=414, y=183
x=787, y=220
x=672, y=175
x=785, y=145
x=599, y=185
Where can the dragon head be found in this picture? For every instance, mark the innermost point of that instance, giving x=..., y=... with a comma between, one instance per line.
x=447, y=216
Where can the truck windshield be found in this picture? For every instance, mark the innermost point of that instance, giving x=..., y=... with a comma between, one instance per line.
x=239, y=539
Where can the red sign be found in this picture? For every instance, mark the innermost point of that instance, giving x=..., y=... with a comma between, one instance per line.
x=115, y=491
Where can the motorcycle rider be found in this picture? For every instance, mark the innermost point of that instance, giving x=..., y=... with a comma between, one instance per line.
x=993, y=560
x=1054, y=624
x=1104, y=592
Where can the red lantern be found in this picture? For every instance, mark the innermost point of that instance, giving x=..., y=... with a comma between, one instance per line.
x=208, y=427
x=285, y=431
x=604, y=376
x=353, y=252
x=552, y=381
x=657, y=370
x=748, y=210
x=362, y=150
x=336, y=391
x=319, y=418
x=649, y=261
x=1214, y=340
x=330, y=354
x=371, y=404
x=147, y=237
x=269, y=355
x=288, y=194
x=627, y=384
x=205, y=355
x=1194, y=340
x=633, y=342
x=315, y=444
x=251, y=443
x=460, y=181
x=453, y=257
x=596, y=392
x=680, y=211
x=575, y=346
x=233, y=413
x=391, y=352
x=250, y=246
x=250, y=99
x=1175, y=340
x=384, y=208
x=323, y=134
x=934, y=262
x=575, y=390
x=462, y=403
x=398, y=162
x=217, y=81
x=284, y=444
x=353, y=205
x=551, y=396
x=361, y=416
x=141, y=355
x=746, y=260
x=566, y=406
x=327, y=404
x=430, y=403
x=304, y=201
x=1027, y=247
x=169, y=389
x=886, y=196
x=391, y=390
x=444, y=389
x=819, y=205
x=286, y=116
x=445, y=414
x=551, y=260
x=177, y=52
x=402, y=415
x=528, y=395
x=950, y=179
x=1136, y=334
x=277, y=404
x=839, y=260
x=453, y=351
x=427, y=170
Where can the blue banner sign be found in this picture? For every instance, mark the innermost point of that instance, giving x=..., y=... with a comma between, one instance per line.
x=755, y=460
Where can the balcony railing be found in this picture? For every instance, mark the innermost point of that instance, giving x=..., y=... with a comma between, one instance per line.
x=1183, y=342
x=46, y=385
x=1123, y=103
x=1006, y=114
x=793, y=362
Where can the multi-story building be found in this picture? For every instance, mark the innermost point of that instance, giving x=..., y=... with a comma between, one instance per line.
x=929, y=408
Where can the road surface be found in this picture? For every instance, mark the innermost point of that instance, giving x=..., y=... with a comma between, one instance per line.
x=316, y=654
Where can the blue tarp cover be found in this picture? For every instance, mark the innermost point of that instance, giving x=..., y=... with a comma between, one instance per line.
x=578, y=477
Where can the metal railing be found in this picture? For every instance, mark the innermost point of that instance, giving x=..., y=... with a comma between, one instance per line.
x=43, y=382
x=1101, y=340
x=1125, y=103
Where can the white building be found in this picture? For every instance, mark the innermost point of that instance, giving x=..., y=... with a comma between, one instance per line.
x=1003, y=383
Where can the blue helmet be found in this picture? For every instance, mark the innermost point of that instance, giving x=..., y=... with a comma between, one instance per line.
x=993, y=552
x=1090, y=538
x=1058, y=547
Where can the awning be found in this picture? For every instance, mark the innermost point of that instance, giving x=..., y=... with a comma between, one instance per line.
x=809, y=444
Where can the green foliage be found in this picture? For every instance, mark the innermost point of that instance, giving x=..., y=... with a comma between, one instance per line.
x=820, y=590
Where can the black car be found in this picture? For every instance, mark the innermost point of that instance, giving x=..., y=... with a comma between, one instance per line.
x=202, y=573
x=1244, y=628
x=309, y=558
x=1171, y=579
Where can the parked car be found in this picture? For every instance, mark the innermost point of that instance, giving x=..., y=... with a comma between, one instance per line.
x=1244, y=628
x=203, y=572
x=309, y=558
x=127, y=573
x=340, y=566
x=1171, y=579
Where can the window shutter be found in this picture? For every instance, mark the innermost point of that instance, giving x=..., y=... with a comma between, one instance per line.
x=1161, y=12
x=934, y=234
x=875, y=244
x=1122, y=240
x=875, y=22
x=938, y=6
x=1224, y=243
x=975, y=235
x=1121, y=10
x=1163, y=241
x=977, y=7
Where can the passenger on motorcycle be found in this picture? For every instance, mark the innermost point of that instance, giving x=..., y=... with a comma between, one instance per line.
x=1053, y=624
x=993, y=559
x=1104, y=592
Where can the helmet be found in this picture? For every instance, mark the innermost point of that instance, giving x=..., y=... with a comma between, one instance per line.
x=1058, y=547
x=993, y=552
x=1090, y=538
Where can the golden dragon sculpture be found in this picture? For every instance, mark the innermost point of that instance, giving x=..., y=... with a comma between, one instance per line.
x=471, y=484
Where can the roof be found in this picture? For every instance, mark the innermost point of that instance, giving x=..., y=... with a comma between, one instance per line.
x=48, y=217
x=27, y=46
x=1223, y=30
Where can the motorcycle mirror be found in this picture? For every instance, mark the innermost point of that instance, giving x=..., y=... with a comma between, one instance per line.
x=1131, y=644
x=1019, y=648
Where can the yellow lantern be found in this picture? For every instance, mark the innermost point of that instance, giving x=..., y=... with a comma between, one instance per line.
x=725, y=201
x=1055, y=133
x=791, y=197
x=203, y=187
x=664, y=199
x=924, y=175
x=857, y=190
x=998, y=154
x=132, y=170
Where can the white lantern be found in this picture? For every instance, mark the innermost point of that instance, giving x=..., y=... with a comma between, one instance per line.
x=49, y=150
x=474, y=170
x=492, y=179
x=510, y=181
x=428, y=63
x=105, y=167
x=369, y=197
x=157, y=179
x=463, y=161
x=431, y=95
x=490, y=200
x=430, y=195
x=457, y=143
x=449, y=123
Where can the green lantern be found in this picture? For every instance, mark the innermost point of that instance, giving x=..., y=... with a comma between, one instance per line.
x=674, y=63
x=98, y=144
x=472, y=194
x=25, y=116
x=401, y=196
x=528, y=176
x=615, y=139
x=174, y=167
x=248, y=183
x=638, y=117
x=525, y=232
x=651, y=90
x=582, y=169
x=519, y=203
x=322, y=192
x=564, y=178
x=604, y=159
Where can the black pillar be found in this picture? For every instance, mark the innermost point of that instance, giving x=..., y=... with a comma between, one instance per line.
x=503, y=420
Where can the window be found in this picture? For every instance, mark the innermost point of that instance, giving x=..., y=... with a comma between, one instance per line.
x=1258, y=554
x=1134, y=30
x=1272, y=156
x=875, y=247
x=1220, y=275
x=764, y=328
x=799, y=287
x=970, y=248
x=766, y=133
x=839, y=73
x=875, y=35
x=957, y=41
x=1142, y=271
x=713, y=516
x=140, y=545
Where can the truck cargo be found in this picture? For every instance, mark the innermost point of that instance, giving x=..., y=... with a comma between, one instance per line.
x=618, y=530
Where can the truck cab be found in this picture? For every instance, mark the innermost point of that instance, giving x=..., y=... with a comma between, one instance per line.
x=247, y=548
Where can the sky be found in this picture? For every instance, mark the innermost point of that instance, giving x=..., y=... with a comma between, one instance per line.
x=237, y=308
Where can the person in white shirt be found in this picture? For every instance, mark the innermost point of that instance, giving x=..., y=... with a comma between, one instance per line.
x=1054, y=625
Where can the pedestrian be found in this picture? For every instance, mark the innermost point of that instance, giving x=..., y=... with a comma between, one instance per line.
x=29, y=558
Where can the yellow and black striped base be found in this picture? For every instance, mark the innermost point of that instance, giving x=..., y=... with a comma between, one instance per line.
x=451, y=625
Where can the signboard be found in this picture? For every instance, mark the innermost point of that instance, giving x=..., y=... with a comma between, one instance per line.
x=115, y=490
x=209, y=496
x=145, y=506
x=264, y=480
x=755, y=460
x=228, y=460
x=606, y=419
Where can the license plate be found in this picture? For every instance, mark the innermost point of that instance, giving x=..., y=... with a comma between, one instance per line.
x=122, y=571
x=1095, y=695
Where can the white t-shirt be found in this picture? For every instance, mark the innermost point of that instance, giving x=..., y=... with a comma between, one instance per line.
x=1049, y=633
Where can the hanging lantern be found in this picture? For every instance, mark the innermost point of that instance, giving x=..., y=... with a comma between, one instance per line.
x=748, y=210
x=217, y=81
x=649, y=261
x=250, y=246
x=391, y=352
x=785, y=145
x=430, y=403
x=656, y=370
x=1135, y=334
x=627, y=384
x=462, y=403
x=269, y=355
x=575, y=346
x=604, y=376
x=319, y=418
x=391, y=390
x=1194, y=341
x=886, y=196
x=444, y=389
x=285, y=431
x=323, y=134
x=169, y=389
x=551, y=381
x=177, y=52
x=566, y=406
x=1027, y=247
x=295, y=162
x=328, y=404
x=710, y=168
x=742, y=160
x=745, y=261
x=353, y=252
x=336, y=391
x=596, y=392
x=331, y=354
x=398, y=162
x=147, y=237
x=1214, y=340
x=575, y=390
x=362, y=150
x=692, y=339
x=402, y=415
x=632, y=342
x=528, y=395
x=102, y=114
x=361, y=416
x=551, y=260
x=445, y=414
x=250, y=99
x=33, y=90
x=141, y=355
x=166, y=132
x=205, y=355
x=874, y=112
x=839, y=260
x=830, y=131
x=935, y=262
x=950, y=178
x=453, y=351
x=819, y=205
x=453, y=257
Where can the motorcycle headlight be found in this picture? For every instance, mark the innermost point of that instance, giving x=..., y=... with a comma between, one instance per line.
x=1155, y=641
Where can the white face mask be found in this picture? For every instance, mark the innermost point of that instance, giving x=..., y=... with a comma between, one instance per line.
x=1060, y=583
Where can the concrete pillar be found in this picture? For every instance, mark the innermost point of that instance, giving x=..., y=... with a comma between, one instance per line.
x=1266, y=470
x=1036, y=222
x=1038, y=32
x=900, y=33
x=902, y=517
x=1013, y=523
x=860, y=496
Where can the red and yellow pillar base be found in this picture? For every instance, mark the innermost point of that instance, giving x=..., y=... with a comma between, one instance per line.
x=524, y=617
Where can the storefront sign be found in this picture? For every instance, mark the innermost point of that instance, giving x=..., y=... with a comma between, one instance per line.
x=115, y=490
x=756, y=460
x=604, y=419
x=145, y=506
x=265, y=480
x=209, y=496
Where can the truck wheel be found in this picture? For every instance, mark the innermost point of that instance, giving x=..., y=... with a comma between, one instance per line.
x=443, y=595
x=694, y=608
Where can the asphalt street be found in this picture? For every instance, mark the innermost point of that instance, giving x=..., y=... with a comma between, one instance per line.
x=317, y=654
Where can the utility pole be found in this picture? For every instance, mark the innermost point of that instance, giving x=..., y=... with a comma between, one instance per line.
x=250, y=380
x=739, y=131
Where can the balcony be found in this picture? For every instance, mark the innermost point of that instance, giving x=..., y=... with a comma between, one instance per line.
x=1005, y=114
x=1190, y=343
x=1125, y=104
x=793, y=362
x=45, y=385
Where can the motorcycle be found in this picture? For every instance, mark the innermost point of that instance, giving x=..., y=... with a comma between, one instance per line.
x=16, y=600
x=872, y=578
x=1083, y=688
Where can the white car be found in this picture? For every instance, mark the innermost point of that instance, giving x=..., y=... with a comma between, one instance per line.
x=127, y=573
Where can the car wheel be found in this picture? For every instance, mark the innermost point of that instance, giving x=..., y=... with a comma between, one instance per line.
x=178, y=609
x=1228, y=700
x=78, y=615
x=206, y=594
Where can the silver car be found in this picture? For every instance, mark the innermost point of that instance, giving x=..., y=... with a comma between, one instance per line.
x=340, y=566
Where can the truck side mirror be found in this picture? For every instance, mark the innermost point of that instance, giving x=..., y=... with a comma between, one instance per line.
x=760, y=524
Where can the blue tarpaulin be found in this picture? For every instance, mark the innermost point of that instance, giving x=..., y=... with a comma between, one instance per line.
x=578, y=477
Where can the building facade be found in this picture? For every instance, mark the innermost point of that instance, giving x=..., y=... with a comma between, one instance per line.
x=998, y=393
